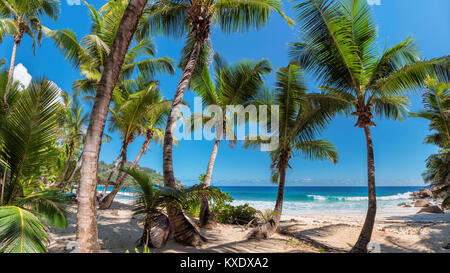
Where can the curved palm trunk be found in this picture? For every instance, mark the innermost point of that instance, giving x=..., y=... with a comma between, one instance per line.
x=17, y=40
x=107, y=201
x=206, y=217
x=74, y=171
x=113, y=171
x=366, y=232
x=268, y=229
x=184, y=231
x=66, y=168
x=87, y=233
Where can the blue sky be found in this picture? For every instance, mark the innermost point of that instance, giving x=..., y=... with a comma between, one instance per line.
x=399, y=152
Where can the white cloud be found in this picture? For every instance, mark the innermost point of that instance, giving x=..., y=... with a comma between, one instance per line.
x=374, y=2
x=22, y=76
x=74, y=2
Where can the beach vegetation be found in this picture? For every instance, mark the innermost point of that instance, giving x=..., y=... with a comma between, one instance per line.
x=338, y=46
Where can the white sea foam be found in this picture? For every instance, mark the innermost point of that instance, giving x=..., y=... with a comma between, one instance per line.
x=334, y=204
x=399, y=196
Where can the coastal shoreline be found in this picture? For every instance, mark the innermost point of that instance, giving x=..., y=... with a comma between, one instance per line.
x=408, y=232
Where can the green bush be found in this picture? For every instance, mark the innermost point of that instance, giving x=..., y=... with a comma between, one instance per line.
x=236, y=215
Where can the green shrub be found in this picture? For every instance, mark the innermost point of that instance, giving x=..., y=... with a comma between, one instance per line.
x=236, y=215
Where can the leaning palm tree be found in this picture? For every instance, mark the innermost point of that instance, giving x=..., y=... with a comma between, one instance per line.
x=437, y=112
x=25, y=136
x=90, y=53
x=74, y=123
x=302, y=116
x=87, y=232
x=26, y=16
x=236, y=84
x=338, y=46
x=193, y=19
x=138, y=109
x=151, y=201
x=437, y=106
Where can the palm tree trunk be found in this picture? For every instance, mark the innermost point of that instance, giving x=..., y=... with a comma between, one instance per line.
x=107, y=201
x=366, y=232
x=74, y=171
x=3, y=186
x=184, y=231
x=268, y=229
x=113, y=171
x=206, y=217
x=87, y=233
x=17, y=40
x=66, y=168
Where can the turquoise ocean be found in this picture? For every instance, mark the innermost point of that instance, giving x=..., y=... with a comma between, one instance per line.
x=316, y=200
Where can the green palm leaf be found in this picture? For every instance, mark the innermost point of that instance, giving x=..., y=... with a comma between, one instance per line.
x=21, y=231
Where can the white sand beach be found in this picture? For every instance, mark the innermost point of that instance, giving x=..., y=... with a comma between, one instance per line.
x=408, y=232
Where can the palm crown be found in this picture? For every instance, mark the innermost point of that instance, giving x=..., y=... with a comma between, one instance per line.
x=302, y=116
x=338, y=45
x=26, y=16
x=91, y=52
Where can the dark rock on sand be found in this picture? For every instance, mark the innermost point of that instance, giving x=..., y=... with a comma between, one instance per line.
x=422, y=194
x=431, y=209
x=422, y=203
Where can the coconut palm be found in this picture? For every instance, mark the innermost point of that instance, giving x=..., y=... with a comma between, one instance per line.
x=138, y=109
x=25, y=18
x=437, y=106
x=302, y=116
x=91, y=52
x=232, y=85
x=151, y=201
x=74, y=123
x=25, y=136
x=437, y=112
x=87, y=232
x=338, y=46
x=193, y=20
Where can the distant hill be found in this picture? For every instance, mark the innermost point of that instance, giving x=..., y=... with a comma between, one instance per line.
x=105, y=169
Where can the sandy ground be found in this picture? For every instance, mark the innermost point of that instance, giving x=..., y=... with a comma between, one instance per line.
x=119, y=231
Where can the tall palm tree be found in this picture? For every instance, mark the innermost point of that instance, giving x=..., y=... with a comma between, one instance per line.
x=91, y=52
x=138, y=109
x=87, y=232
x=26, y=16
x=194, y=19
x=338, y=46
x=437, y=106
x=302, y=116
x=25, y=136
x=74, y=123
x=437, y=111
x=236, y=84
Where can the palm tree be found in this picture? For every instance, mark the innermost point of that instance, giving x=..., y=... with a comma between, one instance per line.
x=151, y=200
x=91, y=52
x=302, y=116
x=75, y=124
x=138, y=109
x=26, y=16
x=194, y=19
x=338, y=46
x=233, y=85
x=87, y=232
x=25, y=136
x=437, y=106
x=437, y=112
